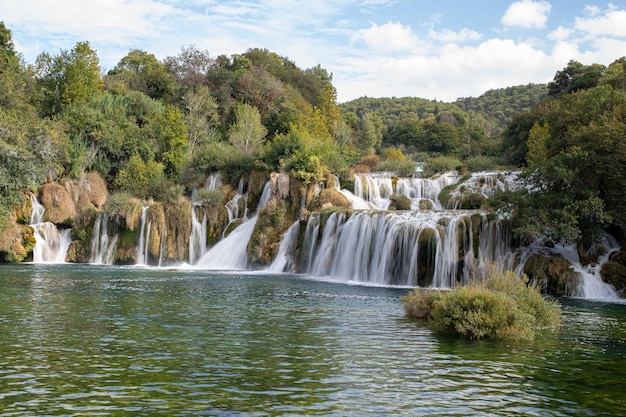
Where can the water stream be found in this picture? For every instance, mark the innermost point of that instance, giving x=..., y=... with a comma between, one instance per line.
x=51, y=244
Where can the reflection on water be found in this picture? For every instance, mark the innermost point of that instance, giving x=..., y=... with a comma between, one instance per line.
x=94, y=340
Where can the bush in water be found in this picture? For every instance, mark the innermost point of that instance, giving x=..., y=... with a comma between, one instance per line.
x=494, y=305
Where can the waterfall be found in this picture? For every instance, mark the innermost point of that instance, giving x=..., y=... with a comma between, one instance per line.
x=590, y=284
x=102, y=247
x=375, y=189
x=285, y=258
x=198, y=237
x=233, y=206
x=230, y=252
x=51, y=244
x=144, y=238
x=406, y=249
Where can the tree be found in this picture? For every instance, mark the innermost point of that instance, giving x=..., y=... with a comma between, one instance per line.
x=172, y=137
x=141, y=179
x=574, y=77
x=188, y=68
x=201, y=116
x=371, y=132
x=141, y=71
x=69, y=78
x=247, y=133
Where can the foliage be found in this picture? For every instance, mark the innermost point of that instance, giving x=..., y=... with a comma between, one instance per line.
x=574, y=146
x=141, y=71
x=247, y=133
x=481, y=163
x=440, y=164
x=69, y=78
x=201, y=116
x=210, y=197
x=495, y=305
x=141, y=179
x=123, y=205
x=172, y=138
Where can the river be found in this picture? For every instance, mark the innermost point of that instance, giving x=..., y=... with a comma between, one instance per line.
x=116, y=341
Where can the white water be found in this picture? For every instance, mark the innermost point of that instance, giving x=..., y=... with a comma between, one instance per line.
x=144, y=238
x=375, y=189
x=285, y=258
x=51, y=244
x=198, y=237
x=102, y=247
x=235, y=211
x=230, y=252
x=384, y=247
x=591, y=284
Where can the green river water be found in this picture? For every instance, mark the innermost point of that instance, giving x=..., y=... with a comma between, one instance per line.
x=81, y=340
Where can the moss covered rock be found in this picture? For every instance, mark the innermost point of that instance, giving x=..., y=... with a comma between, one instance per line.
x=272, y=221
x=399, y=202
x=552, y=272
x=59, y=204
x=614, y=272
x=329, y=198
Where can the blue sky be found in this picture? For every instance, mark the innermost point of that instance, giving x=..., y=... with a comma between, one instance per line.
x=377, y=48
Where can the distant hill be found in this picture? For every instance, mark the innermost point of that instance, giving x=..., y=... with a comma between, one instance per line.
x=492, y=111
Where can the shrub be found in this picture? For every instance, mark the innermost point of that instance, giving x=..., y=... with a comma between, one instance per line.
x=495, y=305
x=211, y=197
x=370, y=161
x=481, y=163
x=141, y=179
x=404, y=168
x=441, y=164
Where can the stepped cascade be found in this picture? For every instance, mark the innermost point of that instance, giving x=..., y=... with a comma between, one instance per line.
x=433, y=244
x=51, y=244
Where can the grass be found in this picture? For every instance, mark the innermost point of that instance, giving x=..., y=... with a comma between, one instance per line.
x=495, y=305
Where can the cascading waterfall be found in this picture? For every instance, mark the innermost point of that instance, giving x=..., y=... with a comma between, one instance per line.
x=198, y=237
x=285, y=259
x=233, y=206
x=590, y=284
x=404, y=249
x=376, y=189
x=102, y=247
x=144, y=238
x=51, y=244
x=230, y=252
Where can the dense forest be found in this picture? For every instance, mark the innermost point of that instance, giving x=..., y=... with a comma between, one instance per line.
x=155, y=129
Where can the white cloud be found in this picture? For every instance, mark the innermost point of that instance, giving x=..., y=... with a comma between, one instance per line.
x=447, y=35
x=527, y=14
x=111, y=21
x=610, y=23
x=448, y=73
x=388, y=38
x=560, y=34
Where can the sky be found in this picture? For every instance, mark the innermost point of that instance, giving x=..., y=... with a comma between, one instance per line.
x=440, y=50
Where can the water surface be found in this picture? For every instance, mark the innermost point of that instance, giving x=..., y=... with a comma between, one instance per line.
x=116, y=341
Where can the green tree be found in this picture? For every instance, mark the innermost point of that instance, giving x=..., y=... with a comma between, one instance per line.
x=371, y=132
x=172, y=137
x=537, y=139
x=247, y=133
x=141, y=71
x=201, y=116
x=69, y=78
x=141, y=179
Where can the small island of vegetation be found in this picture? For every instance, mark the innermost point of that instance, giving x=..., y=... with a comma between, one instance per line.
x=494, y=305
